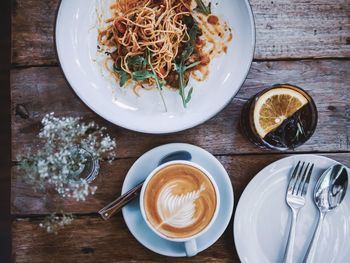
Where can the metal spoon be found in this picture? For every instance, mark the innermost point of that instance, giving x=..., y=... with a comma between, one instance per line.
x=329, y=192
x=115, y=206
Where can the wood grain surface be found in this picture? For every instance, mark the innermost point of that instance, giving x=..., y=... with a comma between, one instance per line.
x=91, y=239
x=285, y=29
x=240, y=168
x=43, y=89
x=302, y=42
x=5, y=133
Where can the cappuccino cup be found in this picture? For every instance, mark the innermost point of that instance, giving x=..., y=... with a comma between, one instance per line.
x=180, y=201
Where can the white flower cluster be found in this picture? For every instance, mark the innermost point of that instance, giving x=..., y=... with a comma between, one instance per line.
x=59, y=161
x=53, y=222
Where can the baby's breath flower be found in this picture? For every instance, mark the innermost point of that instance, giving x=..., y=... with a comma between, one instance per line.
x=60, y=158
x=54, y=222
x=67, y=147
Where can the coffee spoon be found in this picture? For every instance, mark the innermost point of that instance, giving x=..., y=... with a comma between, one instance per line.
x=115, y=206
x=329, y=193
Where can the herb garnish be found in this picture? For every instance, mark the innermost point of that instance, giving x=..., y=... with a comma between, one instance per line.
x=300, y=129
x=139, y=64
x=143, y=73
x=143, y=69
x=123, y=76
x=136, y=63
x=202, y=8
x=181, y=67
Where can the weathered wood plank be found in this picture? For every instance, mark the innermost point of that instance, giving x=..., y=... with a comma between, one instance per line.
x=24, y=201
x=301, y=28
x=43, y=89
x=94, y=240
x=33, y=32
x=91, y=239
x=285, y=29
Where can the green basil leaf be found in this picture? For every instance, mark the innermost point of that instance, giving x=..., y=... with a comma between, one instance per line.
x=202, y=8
x=123, y=76
x=142, y=75
x=189, y=96
x=190, y=43
x=137, y=61
x=192, y=65
x=154, y=75
x=181, y=68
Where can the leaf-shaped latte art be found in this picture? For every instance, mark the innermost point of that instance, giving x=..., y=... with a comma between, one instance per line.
x=177, y=210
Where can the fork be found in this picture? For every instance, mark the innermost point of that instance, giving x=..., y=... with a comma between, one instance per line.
x=295, y=198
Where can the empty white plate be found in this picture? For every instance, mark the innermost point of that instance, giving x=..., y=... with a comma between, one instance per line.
x=76, y=42
x=262, y=218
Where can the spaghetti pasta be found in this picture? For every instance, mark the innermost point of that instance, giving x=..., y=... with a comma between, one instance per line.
x=159, y=42
x=147, y=24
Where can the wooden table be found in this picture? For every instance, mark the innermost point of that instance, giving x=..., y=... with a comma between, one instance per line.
x=302, y=42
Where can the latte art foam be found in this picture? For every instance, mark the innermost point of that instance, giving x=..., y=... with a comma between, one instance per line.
x=177, y=210
x=179, y=201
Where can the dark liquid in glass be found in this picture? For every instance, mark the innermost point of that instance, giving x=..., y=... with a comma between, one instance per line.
x=291, y=133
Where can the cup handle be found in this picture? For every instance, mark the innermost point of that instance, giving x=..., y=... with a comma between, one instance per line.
x=191, y=248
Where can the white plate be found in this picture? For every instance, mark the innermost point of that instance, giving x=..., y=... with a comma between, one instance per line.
x=76, y=43
x=262, y=218
x=138, y=173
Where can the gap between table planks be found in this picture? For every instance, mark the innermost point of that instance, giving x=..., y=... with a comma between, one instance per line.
x=91, y=239
x=285, y=29
x=241, y=169
x=43, y=89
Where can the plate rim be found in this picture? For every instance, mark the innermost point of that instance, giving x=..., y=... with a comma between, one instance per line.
x=252, y=183
x=145, y=131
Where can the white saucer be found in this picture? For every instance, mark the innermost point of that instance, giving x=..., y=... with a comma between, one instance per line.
x=262, y=218
x=132, y=214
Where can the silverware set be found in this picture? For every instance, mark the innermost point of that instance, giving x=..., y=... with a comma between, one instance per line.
x=329, y=192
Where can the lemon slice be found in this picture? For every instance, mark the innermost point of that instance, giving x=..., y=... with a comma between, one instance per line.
x=274, y=106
